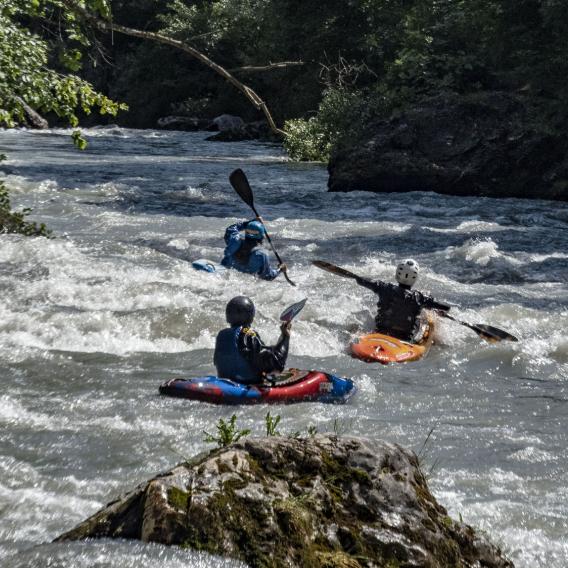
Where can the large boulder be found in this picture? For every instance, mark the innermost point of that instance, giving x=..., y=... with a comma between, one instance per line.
x=185, y=123
x=258, y=130
x=316, y=502
x=226, y=122
x=489, y=144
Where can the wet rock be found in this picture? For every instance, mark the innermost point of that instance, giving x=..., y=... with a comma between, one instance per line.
x=490, y=144
x=258, y=130
x=275, y=502
x=226, y=122
x=185, y=123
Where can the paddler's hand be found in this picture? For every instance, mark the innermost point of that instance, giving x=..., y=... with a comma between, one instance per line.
x=259, y=218
x=285, y=328
x=283, y=268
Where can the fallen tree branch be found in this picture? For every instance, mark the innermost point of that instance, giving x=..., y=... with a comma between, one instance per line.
x=269, y=67
x=110, y=26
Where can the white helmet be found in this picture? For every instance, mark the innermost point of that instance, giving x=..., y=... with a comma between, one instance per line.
x=407, y=272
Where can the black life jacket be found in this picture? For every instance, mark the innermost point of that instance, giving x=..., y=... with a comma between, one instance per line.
x=399, y=311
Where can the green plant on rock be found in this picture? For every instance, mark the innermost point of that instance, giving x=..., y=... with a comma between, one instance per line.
x=342, y=427
x=227, y=433
x=272, y=424
x=312, y=431
x=423, y=457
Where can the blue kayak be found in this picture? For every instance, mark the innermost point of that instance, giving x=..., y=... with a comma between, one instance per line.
x=291, y=386
x=208, y=265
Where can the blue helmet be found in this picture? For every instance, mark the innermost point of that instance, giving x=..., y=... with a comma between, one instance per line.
x=255, y=230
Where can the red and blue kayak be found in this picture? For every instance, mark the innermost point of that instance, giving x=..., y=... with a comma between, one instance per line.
x=291, y=386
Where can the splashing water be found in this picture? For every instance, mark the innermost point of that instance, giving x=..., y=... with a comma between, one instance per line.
x=93, y=321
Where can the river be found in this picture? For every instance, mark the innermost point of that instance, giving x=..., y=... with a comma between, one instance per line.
x=95, y=319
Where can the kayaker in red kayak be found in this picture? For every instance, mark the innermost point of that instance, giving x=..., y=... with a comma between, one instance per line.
x=400, y=309
x=240, y=354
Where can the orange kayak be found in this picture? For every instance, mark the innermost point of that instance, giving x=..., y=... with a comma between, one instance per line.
x=381, y=348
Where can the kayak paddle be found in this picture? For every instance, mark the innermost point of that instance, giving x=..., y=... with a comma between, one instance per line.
x=486, y=332
x=241, y=185
x=292, y=311
x=336, y=270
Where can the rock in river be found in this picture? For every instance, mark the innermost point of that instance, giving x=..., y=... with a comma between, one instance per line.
x=317, y=502
x=490, y=144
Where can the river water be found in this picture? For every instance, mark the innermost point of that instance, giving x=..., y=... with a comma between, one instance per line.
x=91, y=322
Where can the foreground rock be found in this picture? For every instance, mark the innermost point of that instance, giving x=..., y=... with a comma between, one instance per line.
x=318, y=502
x=491, y=144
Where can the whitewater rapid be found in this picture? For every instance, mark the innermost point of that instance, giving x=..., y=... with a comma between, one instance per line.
x=92, y=321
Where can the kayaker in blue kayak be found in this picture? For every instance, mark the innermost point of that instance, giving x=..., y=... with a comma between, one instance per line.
x=400, y=309
x=244, y=253
x=240, y=354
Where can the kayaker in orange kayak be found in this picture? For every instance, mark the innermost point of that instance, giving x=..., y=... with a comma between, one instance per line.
x=400, y=309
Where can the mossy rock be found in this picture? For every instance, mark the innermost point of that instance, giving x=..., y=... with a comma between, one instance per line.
x=276, y=502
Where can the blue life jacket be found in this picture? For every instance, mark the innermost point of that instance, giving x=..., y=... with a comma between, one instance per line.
x=258, y=262
x=230, y=362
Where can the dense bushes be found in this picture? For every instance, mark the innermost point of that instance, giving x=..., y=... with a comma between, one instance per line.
x=461, y=47
x=361, y=59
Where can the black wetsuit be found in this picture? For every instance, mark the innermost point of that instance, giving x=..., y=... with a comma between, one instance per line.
x=241, y=355
x=400, y=308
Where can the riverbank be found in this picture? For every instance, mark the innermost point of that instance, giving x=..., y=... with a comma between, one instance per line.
x=491, y=144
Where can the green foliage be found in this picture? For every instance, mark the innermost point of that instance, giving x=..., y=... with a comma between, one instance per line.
x=33, y=69
x=307, y=140
x=313, y=139
x=78, y=139
x=363, y=59
x=15, y=221
x=429, y=46
x=227, y=433
x=272, y=424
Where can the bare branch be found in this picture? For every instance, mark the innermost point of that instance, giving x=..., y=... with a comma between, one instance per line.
x=269, y=67
x=110, y=26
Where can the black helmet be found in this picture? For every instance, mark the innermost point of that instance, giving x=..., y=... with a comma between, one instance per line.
x=240, y=311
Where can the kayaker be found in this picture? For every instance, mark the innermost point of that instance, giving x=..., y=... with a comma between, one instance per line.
x=244, y=253
x=400, y=309
x=240, y=354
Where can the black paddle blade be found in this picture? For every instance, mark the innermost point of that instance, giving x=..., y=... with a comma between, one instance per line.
x=334, y=269
x=292, y=311
x=487, y=332
x=492, y=334
x=241, y=185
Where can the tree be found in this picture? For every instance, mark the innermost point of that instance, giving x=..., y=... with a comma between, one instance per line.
x=38, y=62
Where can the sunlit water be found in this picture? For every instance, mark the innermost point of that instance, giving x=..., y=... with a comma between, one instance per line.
x=93, y=321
